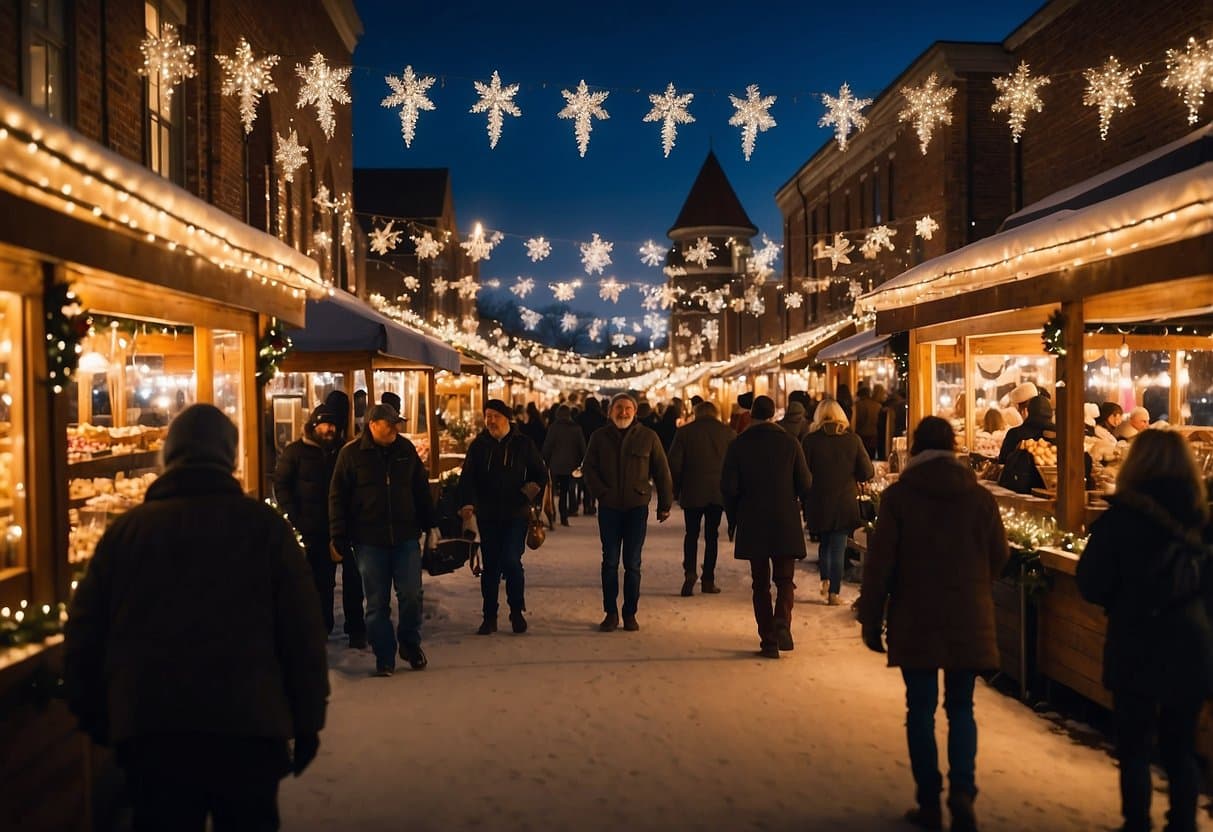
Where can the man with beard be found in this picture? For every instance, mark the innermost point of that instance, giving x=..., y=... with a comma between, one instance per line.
x=623, y=463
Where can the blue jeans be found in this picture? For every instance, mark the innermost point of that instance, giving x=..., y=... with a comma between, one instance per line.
x=381, y=568
x=709, y=517
x=922, y=697
x=501, y=545
x=831, y=554
x=622, y=532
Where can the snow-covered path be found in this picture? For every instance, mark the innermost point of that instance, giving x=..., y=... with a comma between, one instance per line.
x=678, y=726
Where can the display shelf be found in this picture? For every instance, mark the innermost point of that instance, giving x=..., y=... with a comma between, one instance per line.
x=107, y=466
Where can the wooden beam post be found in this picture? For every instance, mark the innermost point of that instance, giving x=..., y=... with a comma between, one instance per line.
x=969, y=391
x=1071, y=473
x=919, y=383
x=1177, y=399
x=431, y=420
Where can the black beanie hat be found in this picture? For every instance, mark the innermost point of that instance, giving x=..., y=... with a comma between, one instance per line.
x=201, y=436
x=746, y=400
x=499, y=406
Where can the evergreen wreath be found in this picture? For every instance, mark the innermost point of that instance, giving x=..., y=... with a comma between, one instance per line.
x=272, y=348
x=66, y=326
x=1052, y=334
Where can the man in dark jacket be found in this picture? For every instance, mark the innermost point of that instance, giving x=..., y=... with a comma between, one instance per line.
x=591, y=420
x=563, y=450
x=794, y=421
x=502, y=475
x=623, y=464
x=301, y=486
x=379, y=505
x=764, y=481
x=195, y=644
x=696, y=459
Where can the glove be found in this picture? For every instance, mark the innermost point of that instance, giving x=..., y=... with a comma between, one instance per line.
x=306, y=747
x=531, y=490
x=872, y=639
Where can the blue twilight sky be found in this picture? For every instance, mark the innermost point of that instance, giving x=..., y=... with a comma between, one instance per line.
x=534, y=183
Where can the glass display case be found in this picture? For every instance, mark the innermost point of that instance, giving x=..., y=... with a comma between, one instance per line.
x=12, y=436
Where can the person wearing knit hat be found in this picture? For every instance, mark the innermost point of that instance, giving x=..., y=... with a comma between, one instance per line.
x=740, y=419
x=201, y=436
x=498, y=406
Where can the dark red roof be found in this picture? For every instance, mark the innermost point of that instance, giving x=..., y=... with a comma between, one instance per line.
x=712, y=202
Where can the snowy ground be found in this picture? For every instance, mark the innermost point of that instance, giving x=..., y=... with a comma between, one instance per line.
x=678, y=726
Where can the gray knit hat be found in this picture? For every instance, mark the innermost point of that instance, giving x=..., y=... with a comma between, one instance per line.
x=201, y=436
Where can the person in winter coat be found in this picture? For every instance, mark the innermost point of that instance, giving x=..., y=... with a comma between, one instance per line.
x=794, y=421
x=1136, y=421
x=1156, y=664
x=696, y=460
x=379, y=505
x=648, y=417
x=502, y=475
x=624, y=465
x=740, y=420
x=668, y=425
x=1038, y=421
x=534, y=426
x=838, y=462
x=563, y=451
x=195, y=645
x=763, y=481
x=591, y=419
x=935, y=578
x=867, y=417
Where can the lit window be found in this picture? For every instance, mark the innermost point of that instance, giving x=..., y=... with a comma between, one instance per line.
x=162, y=124
x=46, y=56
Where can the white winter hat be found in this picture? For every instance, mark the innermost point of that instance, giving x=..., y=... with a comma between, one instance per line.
x=1023, y=392
x=1090, y=412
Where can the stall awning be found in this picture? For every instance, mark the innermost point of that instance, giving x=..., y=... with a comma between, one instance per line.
x=866, y=344
x=341, y=323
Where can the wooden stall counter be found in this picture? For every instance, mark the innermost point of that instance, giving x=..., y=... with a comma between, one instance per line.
x=1070, y=631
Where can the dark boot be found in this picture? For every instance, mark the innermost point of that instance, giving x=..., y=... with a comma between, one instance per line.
x=688, y=585
x=629, y=623
x=709, y=587
x=960, y=805
x=783, y=636
x=414, y=655
x=488, y=626
x=609, y=624
x=926, y=816
x=564, y=521
x=517, y=622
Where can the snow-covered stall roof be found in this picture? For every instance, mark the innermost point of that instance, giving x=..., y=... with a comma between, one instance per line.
x=866, y=344
x=763, y=357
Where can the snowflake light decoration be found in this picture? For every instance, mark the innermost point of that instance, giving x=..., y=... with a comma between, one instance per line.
x=880, y=237
x=752, y=117
x=523, y=286
x=530, y=318
x=610, y=289
x=702, y=252
x=323, y=199
x=619, y=322
x=408, y=93
x=668, y=295
x=538, y=249
x=411, y=283
x=926, y=227
x=793, y=300
x=583, y=106
x=683, y=331
x=497, y=101
x=695, y=346
x=711, y=331
x=837, y=251
x=384, y=239
x=477, y=246
x=715, y=301
x=1191, y=72
x=854, y=289
x=596, y=255
x=1017, y=96
x=469, y=323
x=670, y=109
x=426, y=246
x=845, y=113
x=620, y=339
x=674, y=271
x=564, y=291
x=754, y=303
x=637, y=328
x=439, y=285
x=322, y=85
x=466, y=286
x=289, y=154
x=927, y=106
x=247, y=77
x=657, y=325
x=764, y=257
x=651, y=254
x=1108, y=88
x=568, y=322
x=166, y=57
x=595, y=328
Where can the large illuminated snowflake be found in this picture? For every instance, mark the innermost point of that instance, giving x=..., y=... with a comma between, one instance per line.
x=247, y=77
x=844, y=112
x=610, y=289
x=1108, y=88
x=1018, y=96
x=752, y=117
x=426, y=246
x=595, y=328
x=497, y=101
x=385, y=239
x=1191, y=72
x=926, y=227
x=667, y=296
x=538, y=249
x=695, y=346
x=837, y=251
x=439, y=285
x=568, y=322
x=711, y=331
x=620, y=339
x=411, y=283
x=926, y=107
x=658, y=326
x=289, y=154
x=702, y=252
x=619, y=322
x=469, y=323
x=762, y=261
x=479, y=247
x=322, y=85
x=793, y=300
x=674, y=271
x=167, y=58
x=466, y=286
x=652, y=254
x=583, y=106
x=880, y=237
x=564, y=291
x=408, y=93
x=753, y=302
x=670, y=109
x=523, y=286
x=530, y=318
x=596, y=255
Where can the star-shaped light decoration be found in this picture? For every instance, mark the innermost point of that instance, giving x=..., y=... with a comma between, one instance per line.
x=596, y=255
x=620, y=339
x=845, y=113
x=583, y=106
x=568, y=322
x=523, y=286
x=711, y=331
x=619, y=322
x=384, y=239
x=793, y=300
x=538, y=249
x=762, y=261
x=670, y=109
x=926, y=227
x=683, y=331
x=880, y=237
x=530, y=318
x=1017, y=96
x=702, y=252
x=564, y=290
x=469, y=323
x=322, y=85
x=439, y=285
x=247, y=77
x=695, y=346
x=167, y=58
x=411, y=283
x=477, y=246
x=408, y=93
x=610, y=289
x=466, y=286
x=595, y=328
x=754, y=302
x=637, y=328
x=1108, y=88
x=854, y=289
x=289, y=154
x=669, y=295
x=927, y=106
x=497, y=101
x=1191, y=72
x=752, y=117
x=323, y=200
x=652, y=254
x=426, y=247
x=657, y=325
x=837, y=251
x=715, y=301
x=674, y=271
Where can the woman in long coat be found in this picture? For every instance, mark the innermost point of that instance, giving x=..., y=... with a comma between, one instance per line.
x=838, y=462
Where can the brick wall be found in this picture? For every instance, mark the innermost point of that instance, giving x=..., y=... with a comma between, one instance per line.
x=10, y=47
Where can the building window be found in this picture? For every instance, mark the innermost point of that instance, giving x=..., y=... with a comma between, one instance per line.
x=46, y=56
x=876, y=211
x=165, y=138
x=890, y=213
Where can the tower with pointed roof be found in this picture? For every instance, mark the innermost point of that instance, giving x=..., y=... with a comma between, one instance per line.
x=704, y=321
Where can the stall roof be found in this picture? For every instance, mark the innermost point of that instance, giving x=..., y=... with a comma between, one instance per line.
x=864, y=344
x=342, y=323
x=795, y=348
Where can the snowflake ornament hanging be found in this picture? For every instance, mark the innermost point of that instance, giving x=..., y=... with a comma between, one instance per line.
x=670, y=109
x=466, y=286
x=674, y=271
x=695, y=346
x=619, y=322
x=565, y=290
x=711, y=331
x=477, y=246
x=1191, y=73
x=845, y=113
x=426, y=246
x=1108, y=88
x=322, y=85
x=926, y=227
x=583, y=106
x=1018, y=96
x=702, y=252
x=620, y=339
x=880, y=237
x=595, y=328
x=497, y=101
x=837, y=251
x=568, y=322
x=763, y=259
x=927, y=106
x=538, y=249
x=793, y=300
x=469, y=323
x=408, y=93
x=657, y=325
x=752, y=117
x=652, y=254
x=530, y=318
x=323, y=200
x=167, y=58
x=610, y=289
x=289, y=154
x=384, y=239
x=667, y=296
x=411, y=283
x=522, y=287
x=247, y=77
x=596, y=255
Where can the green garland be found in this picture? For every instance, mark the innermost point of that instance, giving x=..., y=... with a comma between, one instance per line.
x=272, y=348
x=1052, y=334
x=31, y=625
x=66, y=326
